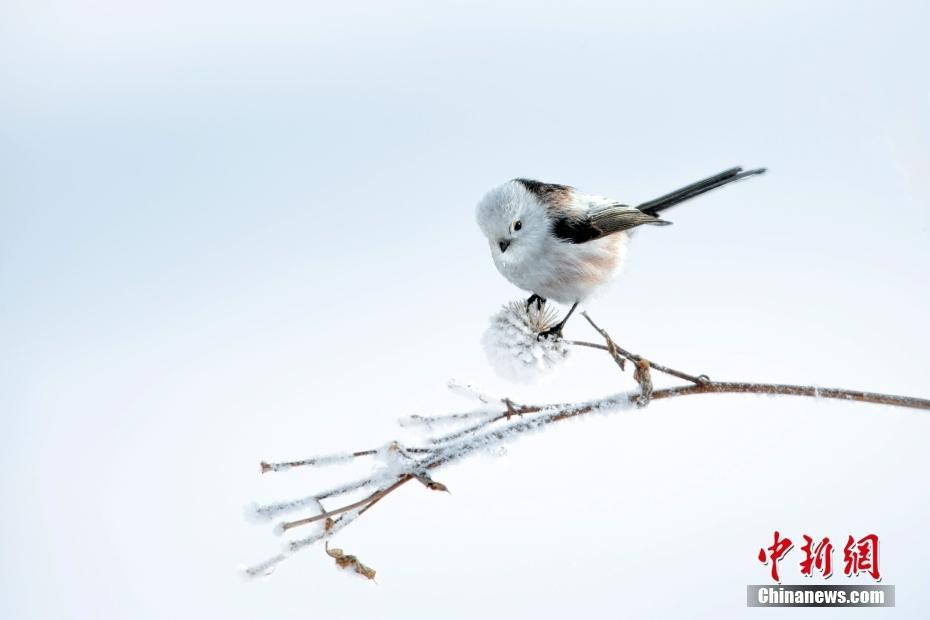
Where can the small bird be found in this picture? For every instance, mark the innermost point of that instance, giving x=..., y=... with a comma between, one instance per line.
x=561, y=244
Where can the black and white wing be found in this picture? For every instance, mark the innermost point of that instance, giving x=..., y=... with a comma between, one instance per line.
x=601, y=220
x=581, y=218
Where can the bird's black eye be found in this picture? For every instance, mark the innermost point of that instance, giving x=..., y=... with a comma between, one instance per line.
x=517, y=225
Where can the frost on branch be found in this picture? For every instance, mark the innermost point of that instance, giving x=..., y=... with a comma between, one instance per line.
x=513, y=346
x=450, y=438
x=499, y=421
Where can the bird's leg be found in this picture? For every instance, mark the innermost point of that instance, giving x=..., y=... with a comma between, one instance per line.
x=556, y=330
x=534, y=298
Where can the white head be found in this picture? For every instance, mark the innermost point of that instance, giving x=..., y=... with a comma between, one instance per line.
x=515, y=223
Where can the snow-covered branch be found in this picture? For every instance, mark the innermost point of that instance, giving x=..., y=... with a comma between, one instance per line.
x=515, y=350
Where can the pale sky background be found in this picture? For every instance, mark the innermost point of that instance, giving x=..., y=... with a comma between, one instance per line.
x=243, y=231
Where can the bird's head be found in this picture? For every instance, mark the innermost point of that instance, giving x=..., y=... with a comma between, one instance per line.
x=514, y=222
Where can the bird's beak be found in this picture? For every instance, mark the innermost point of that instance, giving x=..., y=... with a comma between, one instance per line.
x=503, y=244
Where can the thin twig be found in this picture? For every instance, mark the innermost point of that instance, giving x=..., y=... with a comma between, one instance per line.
x=326, y=460
x=331, y=513
x=699, y=380
x=511, y=410
x=393, y=487
x=318, y=460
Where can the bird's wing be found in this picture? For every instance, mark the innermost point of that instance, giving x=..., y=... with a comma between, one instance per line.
x=600, y=221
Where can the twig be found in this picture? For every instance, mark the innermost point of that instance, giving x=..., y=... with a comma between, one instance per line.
x=723, y=387
x=371, y=499
x=699, y=380
x=317, y=460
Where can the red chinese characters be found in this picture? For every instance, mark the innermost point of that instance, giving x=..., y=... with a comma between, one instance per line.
x=776, y=552
x=819, y=556
x=861, y=556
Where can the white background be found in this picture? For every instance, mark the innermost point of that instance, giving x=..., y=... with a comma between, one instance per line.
x=239, y=231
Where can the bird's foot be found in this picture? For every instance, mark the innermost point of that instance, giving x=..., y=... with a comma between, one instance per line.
x=535, y=299
x=555, y=332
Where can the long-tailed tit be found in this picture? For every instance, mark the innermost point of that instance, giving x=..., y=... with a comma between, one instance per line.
x=561, y=244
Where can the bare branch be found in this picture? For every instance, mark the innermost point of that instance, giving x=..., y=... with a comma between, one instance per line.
x=371, y=499
x=611, y=345
x=501, y=421
x=722, y=387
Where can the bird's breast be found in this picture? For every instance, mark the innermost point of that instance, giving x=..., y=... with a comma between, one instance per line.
x=567, y=272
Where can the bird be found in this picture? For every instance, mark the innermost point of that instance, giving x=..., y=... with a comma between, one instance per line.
x=561, y=244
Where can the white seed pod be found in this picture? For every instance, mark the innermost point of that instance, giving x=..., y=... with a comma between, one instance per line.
x=513, y=346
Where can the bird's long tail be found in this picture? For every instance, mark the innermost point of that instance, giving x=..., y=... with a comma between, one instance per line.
x=661, y=203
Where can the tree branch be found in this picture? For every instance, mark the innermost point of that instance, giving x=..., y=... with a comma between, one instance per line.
x=501, y=420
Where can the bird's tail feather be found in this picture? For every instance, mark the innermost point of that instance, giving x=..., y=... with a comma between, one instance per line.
x=696, y=189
